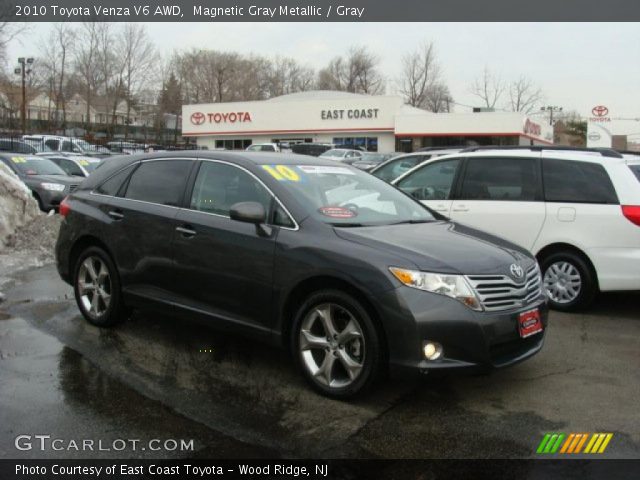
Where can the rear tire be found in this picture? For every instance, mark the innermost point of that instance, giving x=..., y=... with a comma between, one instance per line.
x=568, y=280
x=335, y=344
x=96, y=285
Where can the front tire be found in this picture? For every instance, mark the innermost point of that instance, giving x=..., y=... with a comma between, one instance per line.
x=335, y=344
x=96, y=286
x=568, y=280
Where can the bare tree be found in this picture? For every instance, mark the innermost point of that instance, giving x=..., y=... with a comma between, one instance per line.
x=56, y=51
x=357, y=73
x=139, y=59
x=438, y=98
x=489, y=88
x=420, y=75
x=285, y=75
x=8, y=32
x=87, y=63
x=524, y=96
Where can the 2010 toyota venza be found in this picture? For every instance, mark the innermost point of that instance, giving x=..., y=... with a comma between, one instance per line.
x=347, y=272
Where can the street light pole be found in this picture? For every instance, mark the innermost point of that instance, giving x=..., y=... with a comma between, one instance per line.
x=23, y=72
x=551, y=109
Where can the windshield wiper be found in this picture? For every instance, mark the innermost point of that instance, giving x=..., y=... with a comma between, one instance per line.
x=347, y=224
x=411, y=222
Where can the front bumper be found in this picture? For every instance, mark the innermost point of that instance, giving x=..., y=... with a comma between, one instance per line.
x=51, y=199
x=471, y=340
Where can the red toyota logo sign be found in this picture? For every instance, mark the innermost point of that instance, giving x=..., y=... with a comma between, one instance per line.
x=600, y=111
x=197, y=118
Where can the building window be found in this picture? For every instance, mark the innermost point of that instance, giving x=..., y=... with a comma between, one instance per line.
x=368, y=143
x=237, y=144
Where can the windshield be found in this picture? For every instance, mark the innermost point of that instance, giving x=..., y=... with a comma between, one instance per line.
x=374, y=158
x=36, y=166
x=89, y=164
x=333, y=154
x=636, y=170
x=86, y=146
x=347, y=197
x=39, y=146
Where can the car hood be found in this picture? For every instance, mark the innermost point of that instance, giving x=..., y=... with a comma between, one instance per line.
x=442, y=246
x=63, y=179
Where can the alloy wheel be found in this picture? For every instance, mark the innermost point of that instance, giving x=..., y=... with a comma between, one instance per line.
x=94, y=286
x=562, y=282
x=332, y=345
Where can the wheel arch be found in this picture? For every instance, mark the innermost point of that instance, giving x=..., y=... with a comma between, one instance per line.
x=82, y=244
x=564, y=247
x=306, y=287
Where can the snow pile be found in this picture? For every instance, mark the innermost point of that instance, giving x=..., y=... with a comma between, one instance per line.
x=17, y=205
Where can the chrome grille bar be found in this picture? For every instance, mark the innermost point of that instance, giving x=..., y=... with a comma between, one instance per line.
x=500, y=292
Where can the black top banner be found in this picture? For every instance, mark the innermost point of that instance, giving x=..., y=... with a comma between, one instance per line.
x=318, y=10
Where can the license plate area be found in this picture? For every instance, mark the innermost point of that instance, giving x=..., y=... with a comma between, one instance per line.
x=529, y=323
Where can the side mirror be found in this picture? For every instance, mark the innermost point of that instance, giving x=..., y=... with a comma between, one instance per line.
x=249, y=212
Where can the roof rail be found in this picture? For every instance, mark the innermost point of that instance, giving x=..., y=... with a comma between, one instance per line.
x=446, y=147
x=605, y=152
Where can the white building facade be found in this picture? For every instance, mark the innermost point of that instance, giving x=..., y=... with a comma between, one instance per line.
x=376, y=123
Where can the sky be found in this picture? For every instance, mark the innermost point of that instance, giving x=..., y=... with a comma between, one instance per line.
x=577, y=65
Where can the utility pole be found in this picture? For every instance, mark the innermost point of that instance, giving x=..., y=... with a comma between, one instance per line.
x=551, y=109
x=22, y=70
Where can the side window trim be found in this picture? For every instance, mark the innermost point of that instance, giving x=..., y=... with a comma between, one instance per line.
x=192, y=181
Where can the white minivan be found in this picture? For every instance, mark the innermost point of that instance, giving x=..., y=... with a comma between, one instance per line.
x=578, y=211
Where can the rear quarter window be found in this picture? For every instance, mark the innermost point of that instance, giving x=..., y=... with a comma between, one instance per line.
x=570, y=181
x=636, y=170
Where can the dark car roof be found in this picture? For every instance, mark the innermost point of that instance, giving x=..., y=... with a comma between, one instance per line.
x=115, y=164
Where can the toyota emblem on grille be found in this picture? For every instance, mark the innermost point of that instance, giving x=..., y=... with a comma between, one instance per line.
x=516, y=270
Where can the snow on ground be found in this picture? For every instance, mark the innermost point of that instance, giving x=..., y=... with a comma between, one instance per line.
x=27, y=236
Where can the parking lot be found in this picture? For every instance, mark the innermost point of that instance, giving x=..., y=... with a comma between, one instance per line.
x=162, y=377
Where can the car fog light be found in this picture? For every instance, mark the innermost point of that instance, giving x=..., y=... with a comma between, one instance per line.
x=432, y=350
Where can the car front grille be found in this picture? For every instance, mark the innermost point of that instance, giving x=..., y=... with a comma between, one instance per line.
x=500, y=292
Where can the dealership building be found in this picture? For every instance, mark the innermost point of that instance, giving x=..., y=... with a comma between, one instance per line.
x=380, y=123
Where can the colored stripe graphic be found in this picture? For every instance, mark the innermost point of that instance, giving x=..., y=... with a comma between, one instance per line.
x=573, y=443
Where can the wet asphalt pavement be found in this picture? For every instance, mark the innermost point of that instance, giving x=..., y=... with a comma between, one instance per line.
x=158, y=377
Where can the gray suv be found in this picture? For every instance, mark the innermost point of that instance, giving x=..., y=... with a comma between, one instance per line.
x=346, y=272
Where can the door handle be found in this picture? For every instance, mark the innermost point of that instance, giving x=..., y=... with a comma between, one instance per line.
x=116, y=214
x=440, y=208
x=186, y=231
x=460, y=208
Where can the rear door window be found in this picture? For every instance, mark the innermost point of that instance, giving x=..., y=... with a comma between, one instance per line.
x=570, y=181
x=160, y=181
x=500, y=179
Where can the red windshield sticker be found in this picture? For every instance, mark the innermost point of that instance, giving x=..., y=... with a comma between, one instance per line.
x=337, y=212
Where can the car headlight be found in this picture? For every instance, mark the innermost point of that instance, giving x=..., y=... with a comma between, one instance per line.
x=454, y=286
x=54, y=187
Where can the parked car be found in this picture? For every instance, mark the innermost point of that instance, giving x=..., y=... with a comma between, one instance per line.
x=125, y=148
x=263, y=147
x=19, y=146
x=69, y=144
x=312, y=149
x=577, y=211
x=370, y=160
x=342, y=155
x=75, y=166
x=396, y=166
x=344, y=270
x=48, y=182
